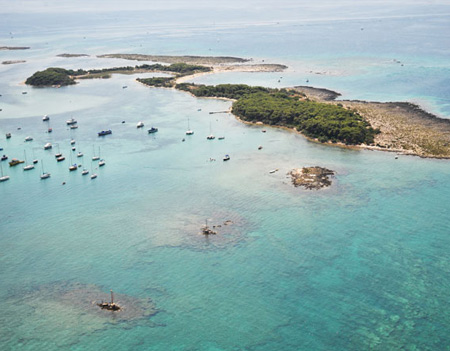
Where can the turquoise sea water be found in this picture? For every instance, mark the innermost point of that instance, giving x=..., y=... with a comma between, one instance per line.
x=362, y=265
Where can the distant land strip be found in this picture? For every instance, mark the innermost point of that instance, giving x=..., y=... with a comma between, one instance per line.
x=194, y=60
x=14, y=47
x=11, y=62
x=72, y=55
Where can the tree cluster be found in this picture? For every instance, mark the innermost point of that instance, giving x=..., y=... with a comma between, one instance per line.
x=230, y=91
x=51, y=76
x=326, y=122
x=161, y=82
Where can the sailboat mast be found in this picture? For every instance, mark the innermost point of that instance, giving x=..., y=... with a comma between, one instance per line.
x=112, y=297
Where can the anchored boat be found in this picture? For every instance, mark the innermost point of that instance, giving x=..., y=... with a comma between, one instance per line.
x=104, y=132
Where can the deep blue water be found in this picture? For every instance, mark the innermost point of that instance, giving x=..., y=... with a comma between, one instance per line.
x=361, y=265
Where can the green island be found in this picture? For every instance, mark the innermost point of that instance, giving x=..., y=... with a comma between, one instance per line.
x=393, y=126
x=289, y=108
x=55, y=76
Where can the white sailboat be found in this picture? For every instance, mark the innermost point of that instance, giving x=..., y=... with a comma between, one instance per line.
x=72, y=167
x=210, y=136
x=27, y=167
x=3, y=178
x=189, y=131
x=93, y=175
x=96, y=157
x=58, y=154
x=44, y=175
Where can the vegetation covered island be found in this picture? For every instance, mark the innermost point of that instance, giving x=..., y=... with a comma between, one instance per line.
x=288, y=108
x=400, y=127
x=62, y=77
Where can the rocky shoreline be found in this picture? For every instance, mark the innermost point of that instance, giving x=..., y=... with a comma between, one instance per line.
x=405, y=127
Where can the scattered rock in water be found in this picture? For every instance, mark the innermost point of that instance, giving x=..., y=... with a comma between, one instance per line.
x=311, y=178
x=206, y=230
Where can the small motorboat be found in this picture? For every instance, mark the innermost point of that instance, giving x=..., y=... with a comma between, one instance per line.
x=8, y=135
x=273, y=171
x=140, y=125
x=15, y=162
x=4, y=157
x=60, y=158
x=80, y=154
x=93, y=176
x=74, y=126
x=101, y=163
x=221, y=138
x=73, y=167
x=84, y=171
x=71, y=121
x=48, y=146
x=72, y=142
x=264, y=131
x=152, y=130
x=28, y=138
x=210, y=137
x=49, y=130
x=45, y=118
x=104, y=132
x=259, y=147
x=226, y=158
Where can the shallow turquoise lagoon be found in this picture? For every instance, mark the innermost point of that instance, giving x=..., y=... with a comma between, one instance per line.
x=362, y=265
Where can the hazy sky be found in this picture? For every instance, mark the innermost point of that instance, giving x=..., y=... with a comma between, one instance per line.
x=36, y=6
